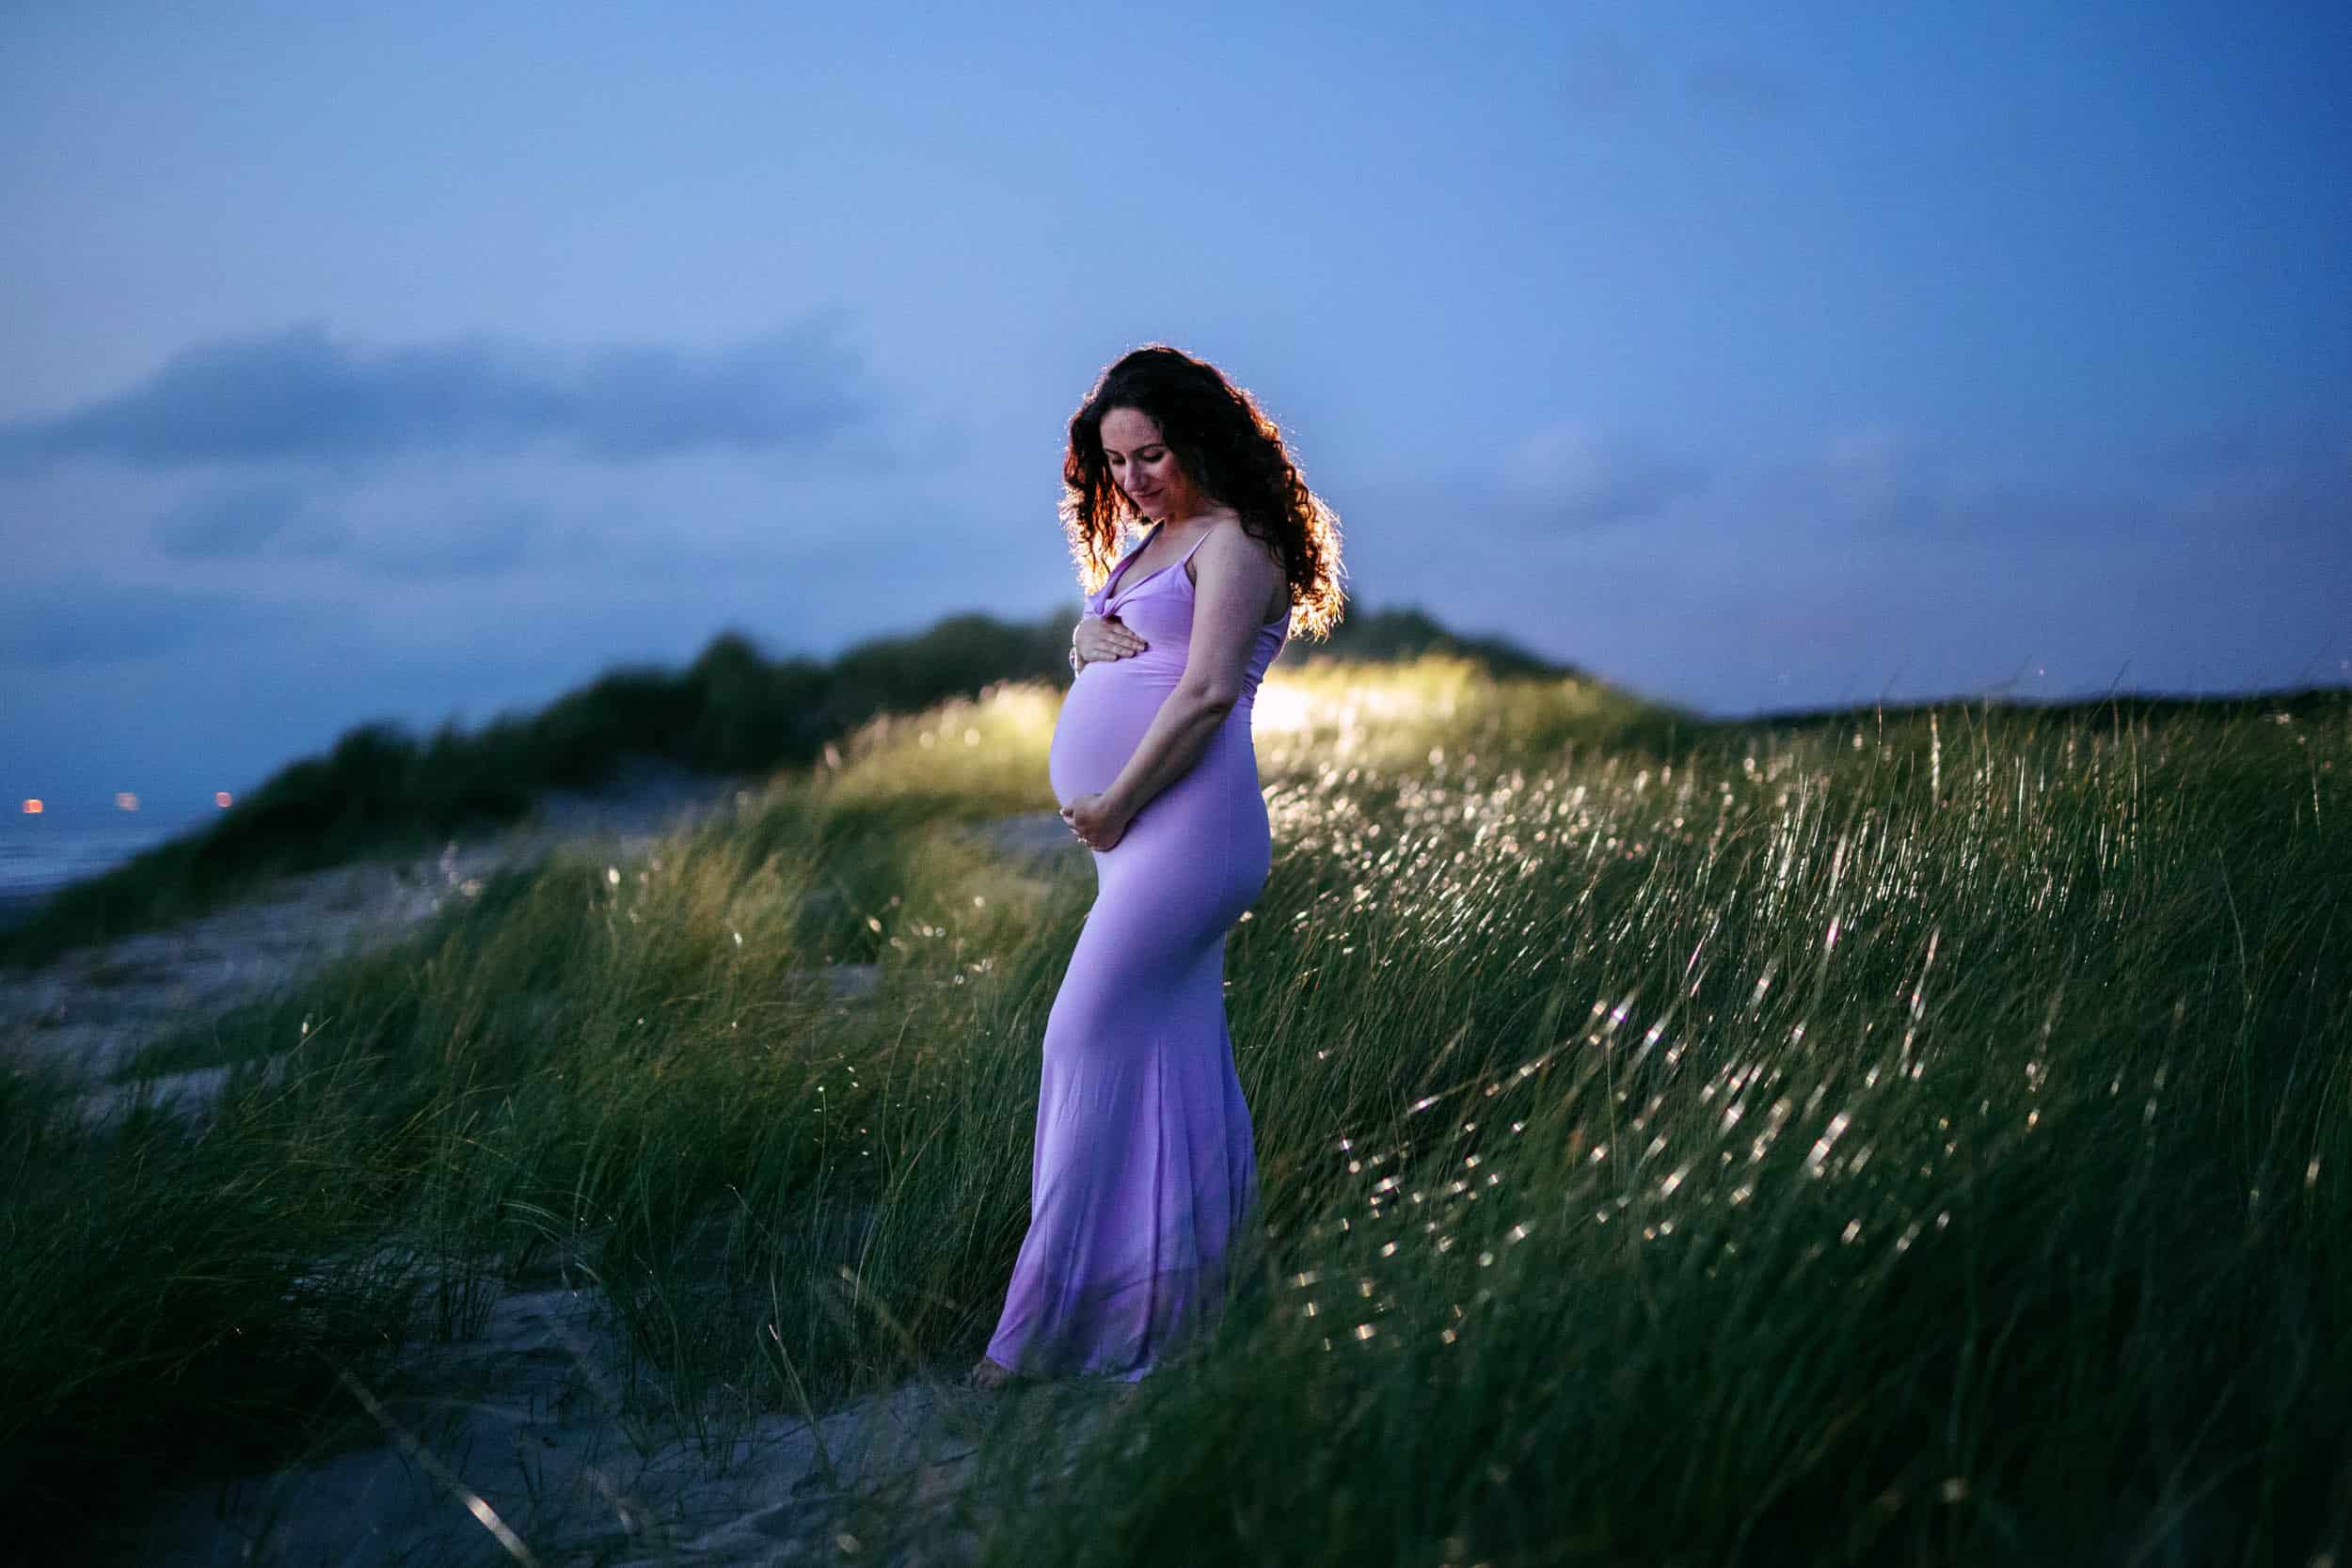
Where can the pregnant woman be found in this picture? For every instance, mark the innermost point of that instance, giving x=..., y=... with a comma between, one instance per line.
x=1144, y=1181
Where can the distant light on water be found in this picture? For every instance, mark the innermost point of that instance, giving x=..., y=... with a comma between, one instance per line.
x=220, y=798
x=125, y=800
x=32, y=808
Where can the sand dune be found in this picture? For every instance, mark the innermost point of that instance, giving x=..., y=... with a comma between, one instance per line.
x=516, y=1434
x=91, y=1009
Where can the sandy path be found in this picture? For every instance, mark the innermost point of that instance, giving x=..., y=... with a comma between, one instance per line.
x=91, y=1009
x=512, y=1445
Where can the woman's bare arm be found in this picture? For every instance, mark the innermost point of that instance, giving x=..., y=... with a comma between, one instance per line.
x=1234, y=579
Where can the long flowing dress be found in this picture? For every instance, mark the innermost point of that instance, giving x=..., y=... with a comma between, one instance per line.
x=1144, y=1177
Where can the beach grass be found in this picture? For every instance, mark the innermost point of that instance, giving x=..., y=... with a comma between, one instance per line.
x=380, y=791
x=1918, y=1137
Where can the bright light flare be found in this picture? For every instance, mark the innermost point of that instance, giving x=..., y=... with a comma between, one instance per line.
x=125, y=800
x=1280, y=705
x=34, y=808
x=221, y=799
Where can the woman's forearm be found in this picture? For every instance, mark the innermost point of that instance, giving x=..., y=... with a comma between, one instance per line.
x=1180, y=732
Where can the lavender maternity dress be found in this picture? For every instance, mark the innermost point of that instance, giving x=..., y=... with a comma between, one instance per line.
x=1144, y=1174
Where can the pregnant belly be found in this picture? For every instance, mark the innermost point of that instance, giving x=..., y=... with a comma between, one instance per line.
x=1105, y=714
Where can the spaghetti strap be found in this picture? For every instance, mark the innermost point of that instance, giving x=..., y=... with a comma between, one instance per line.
x=1184, y=560
x=1284, y=616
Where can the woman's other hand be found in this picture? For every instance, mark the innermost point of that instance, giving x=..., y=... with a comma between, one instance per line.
x=1102, y=636
x=1095, y=823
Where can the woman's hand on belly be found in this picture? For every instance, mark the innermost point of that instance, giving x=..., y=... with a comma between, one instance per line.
x=1094, y=822
x=1106, y=637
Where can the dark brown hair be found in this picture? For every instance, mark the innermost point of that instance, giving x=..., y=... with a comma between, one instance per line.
x=1229, y=449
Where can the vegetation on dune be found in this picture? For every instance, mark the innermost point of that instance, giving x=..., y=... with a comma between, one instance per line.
x=732, y=711
x=1918, y=1139
x=1912, y=1142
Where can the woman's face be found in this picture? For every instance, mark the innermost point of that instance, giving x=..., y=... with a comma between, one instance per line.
x=1144, y=468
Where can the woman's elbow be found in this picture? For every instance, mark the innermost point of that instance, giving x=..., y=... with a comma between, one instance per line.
x=1213, y=698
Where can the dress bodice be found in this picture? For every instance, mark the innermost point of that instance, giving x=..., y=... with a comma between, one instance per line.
x=1158, y=608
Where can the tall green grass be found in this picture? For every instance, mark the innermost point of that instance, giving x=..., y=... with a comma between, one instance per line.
x=379, y=790
x=1920, y=1141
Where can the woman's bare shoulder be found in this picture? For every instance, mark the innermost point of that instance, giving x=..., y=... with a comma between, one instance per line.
x=1244, y=545
x=1228, y=538
x=1231, y=524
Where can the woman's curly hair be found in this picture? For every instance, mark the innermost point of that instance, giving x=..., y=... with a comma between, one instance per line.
x=1229, y=449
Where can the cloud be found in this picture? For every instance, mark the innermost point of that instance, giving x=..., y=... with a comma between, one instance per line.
x=1743, y=87
x=479, y=546
x=257, y=524
x=248, y=523
x=2285, y=487
x=1602, y=74
x=2295, y=482
x=1879, y=479
x=300, y=394
x=1574, y=475
x=1890, y=484
x=81, y=620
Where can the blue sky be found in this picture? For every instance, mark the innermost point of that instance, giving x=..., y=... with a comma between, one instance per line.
x=427, y=360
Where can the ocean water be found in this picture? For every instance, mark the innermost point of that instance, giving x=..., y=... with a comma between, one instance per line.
x=41, y=853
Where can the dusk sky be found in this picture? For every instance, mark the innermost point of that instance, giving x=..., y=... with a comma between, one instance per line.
x=413, y=361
